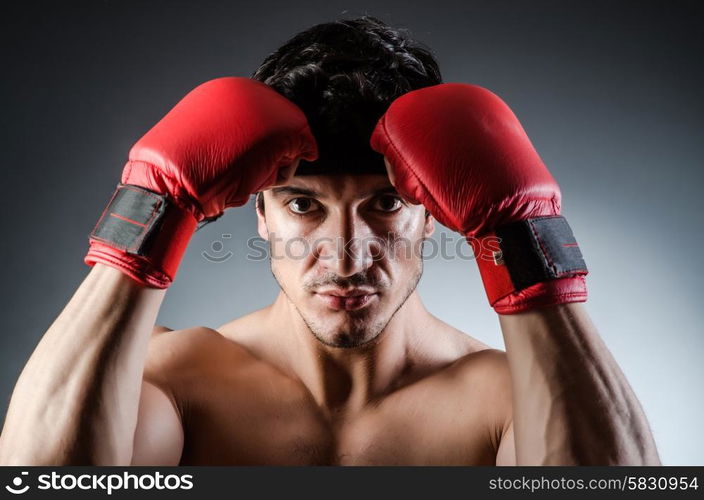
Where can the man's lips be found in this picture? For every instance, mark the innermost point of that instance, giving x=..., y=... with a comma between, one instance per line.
x=349, y=292
x=347, y=300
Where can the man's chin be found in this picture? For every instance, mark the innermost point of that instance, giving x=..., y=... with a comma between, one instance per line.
x=345, y=329
x=345, y=339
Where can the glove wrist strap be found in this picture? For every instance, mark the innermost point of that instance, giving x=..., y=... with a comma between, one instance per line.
x=149, y=230
x=517, y=256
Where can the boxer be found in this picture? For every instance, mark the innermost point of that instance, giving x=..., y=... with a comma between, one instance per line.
x=346, y=134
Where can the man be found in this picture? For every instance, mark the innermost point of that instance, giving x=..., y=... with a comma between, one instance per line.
x=354, y=147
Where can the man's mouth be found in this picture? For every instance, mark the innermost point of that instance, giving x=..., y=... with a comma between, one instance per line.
x=348, y=299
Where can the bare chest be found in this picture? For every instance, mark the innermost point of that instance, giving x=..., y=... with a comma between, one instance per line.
x=262, y=424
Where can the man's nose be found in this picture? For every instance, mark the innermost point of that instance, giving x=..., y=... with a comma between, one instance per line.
x=346, y=246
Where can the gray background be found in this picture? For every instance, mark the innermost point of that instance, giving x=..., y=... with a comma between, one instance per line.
x=609, y=94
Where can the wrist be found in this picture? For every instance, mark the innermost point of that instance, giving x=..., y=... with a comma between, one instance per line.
x=531, y=263
x=143, y=234
x=543, y=294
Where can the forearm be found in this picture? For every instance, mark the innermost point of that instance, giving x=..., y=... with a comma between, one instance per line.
x=571, y=402
x=77, y=397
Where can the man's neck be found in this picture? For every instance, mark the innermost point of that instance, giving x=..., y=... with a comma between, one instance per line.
x=345, y=380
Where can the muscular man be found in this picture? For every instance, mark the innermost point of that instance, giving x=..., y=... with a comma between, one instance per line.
x=354, y=147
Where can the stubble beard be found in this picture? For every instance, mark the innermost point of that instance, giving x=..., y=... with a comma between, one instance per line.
x=361, y=333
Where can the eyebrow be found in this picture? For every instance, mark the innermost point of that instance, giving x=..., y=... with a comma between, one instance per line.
x=284, y=190
x=292, y=190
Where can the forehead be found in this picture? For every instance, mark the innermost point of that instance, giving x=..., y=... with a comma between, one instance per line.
x=341, y=186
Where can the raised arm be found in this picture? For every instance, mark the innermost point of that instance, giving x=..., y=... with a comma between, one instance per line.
x=572, y=405
x=477, y=172
x=77, y=400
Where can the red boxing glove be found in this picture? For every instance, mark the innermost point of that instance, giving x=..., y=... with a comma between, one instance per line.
x=225, y=140
x=460, y=151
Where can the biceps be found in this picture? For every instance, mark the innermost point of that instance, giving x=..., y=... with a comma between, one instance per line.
x=506, y=454
x=158, y=438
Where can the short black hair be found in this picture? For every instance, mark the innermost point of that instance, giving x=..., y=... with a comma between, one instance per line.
x=344, y=74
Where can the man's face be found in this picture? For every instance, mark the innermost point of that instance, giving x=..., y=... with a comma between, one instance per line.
x=346, y=251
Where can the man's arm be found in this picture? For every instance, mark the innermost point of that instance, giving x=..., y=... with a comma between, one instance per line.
x=572, y=404
x=159, y=436
x=477, y=172
x=76, y=401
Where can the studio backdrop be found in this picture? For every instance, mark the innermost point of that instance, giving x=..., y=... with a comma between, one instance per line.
x=609, y=92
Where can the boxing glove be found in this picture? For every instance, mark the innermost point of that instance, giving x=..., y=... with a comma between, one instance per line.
x=225, y=140
x=460, y=151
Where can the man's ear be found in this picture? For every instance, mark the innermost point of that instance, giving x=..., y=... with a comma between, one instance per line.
x=261, y=219
x=429, y=225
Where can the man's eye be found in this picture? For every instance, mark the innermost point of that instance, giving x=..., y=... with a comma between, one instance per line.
x=301, y=206
x=388, y=203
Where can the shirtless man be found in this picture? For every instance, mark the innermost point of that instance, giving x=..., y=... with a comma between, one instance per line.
x=346, y=366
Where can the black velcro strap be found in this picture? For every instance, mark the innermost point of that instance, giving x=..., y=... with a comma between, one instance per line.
x=131, y=217
x=540, y=249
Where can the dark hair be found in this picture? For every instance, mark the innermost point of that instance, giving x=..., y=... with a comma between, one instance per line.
x=344, y=74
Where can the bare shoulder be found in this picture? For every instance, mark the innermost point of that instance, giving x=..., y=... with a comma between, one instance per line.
x=246, y=330
x=487, y=364
x=178, y=354
x=480, y=366
x=487, y=372
x=471, y=361
x=165, y=341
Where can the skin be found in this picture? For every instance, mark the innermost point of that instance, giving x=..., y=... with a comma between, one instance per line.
x=300, y=382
